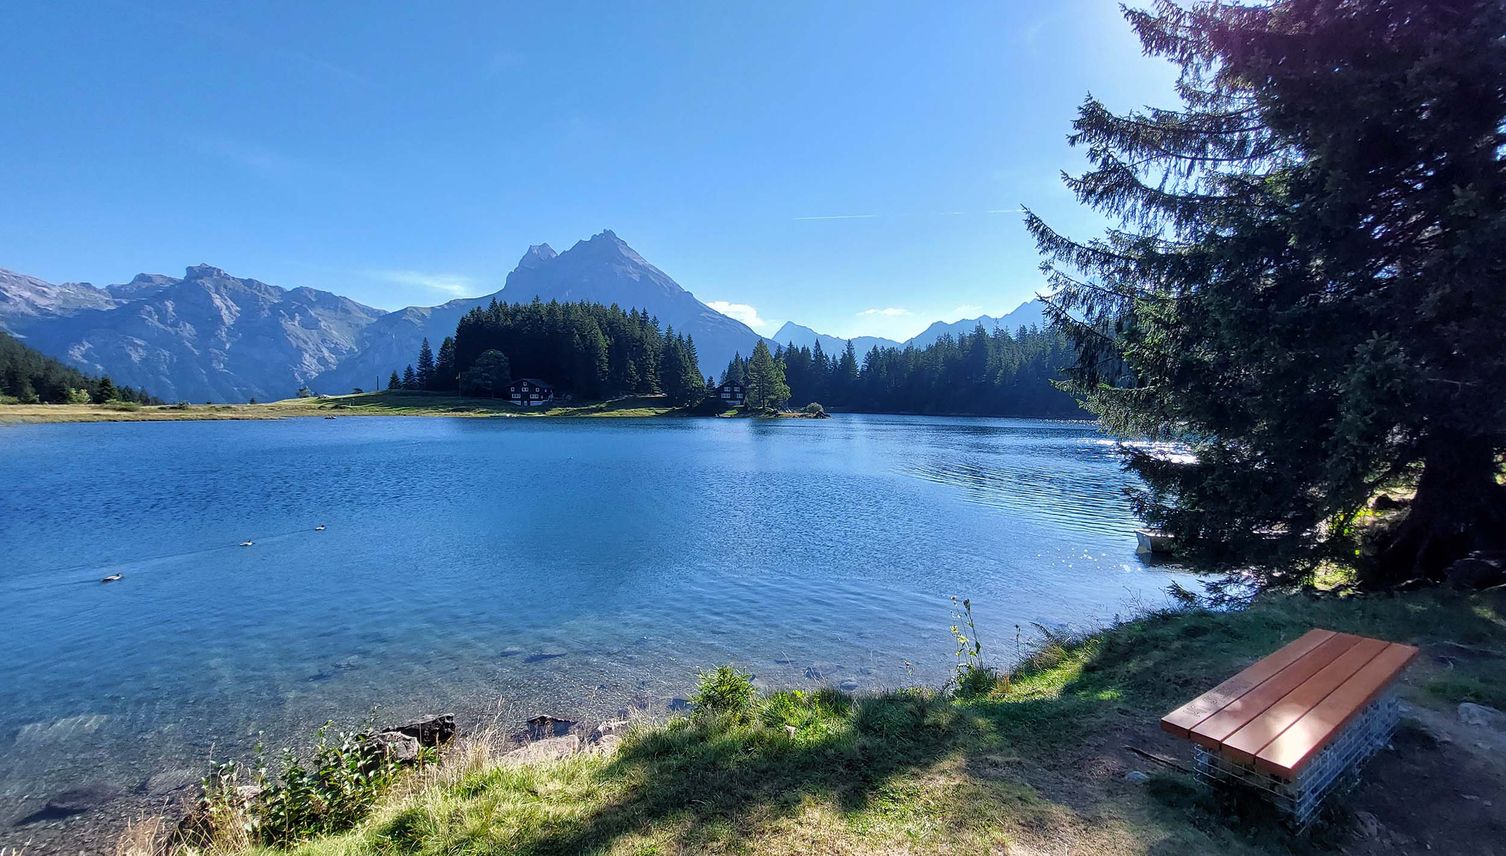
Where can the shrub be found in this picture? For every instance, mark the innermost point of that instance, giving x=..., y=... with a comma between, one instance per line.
x=725, y=692
x=329, y=791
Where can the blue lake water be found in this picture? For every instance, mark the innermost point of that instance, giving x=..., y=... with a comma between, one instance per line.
x=499, y=568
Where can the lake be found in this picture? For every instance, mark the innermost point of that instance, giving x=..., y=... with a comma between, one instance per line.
x=499, y=568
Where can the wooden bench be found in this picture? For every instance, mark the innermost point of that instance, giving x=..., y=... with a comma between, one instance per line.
x=1274, y=718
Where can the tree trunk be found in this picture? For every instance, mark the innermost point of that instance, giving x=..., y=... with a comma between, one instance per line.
x=1459, y=507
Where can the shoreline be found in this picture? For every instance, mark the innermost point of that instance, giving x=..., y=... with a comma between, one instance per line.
x=1062, y=751
x=385, y=403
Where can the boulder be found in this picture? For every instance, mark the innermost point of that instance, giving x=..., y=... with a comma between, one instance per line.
x=541, y=751
x=1482, y=716
x=544, y=726
x=395, y=746
x=1137, y=777
x=608, y=744
x=1476, y=571
x=610, y=728
x=433, y=731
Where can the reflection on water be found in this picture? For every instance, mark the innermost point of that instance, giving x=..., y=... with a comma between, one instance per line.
x=500, y=568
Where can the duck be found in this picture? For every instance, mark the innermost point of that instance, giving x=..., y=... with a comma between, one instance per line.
x=319, y=528
x=112, y=578
x=247, y=543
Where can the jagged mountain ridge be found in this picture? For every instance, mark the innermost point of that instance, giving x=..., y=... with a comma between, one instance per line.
x=208, y=336
x=602, y=269
x=804, y=337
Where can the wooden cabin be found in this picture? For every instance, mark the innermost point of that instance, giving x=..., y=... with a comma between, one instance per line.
x=731, y=393
x=529, y=392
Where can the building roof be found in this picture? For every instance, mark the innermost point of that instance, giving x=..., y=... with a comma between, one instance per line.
x=533, y=380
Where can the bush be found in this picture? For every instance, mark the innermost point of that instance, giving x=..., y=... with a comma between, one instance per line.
x=330, y=791
x=815, y=410
x=725, y=692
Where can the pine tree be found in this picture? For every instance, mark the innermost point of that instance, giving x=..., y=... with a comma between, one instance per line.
x=105, y=391
x=1305, y=284
x=393, y=382
x=736, y=371
x=424, y=376
x=766, y=384
x=410, y=378
x=445, y=377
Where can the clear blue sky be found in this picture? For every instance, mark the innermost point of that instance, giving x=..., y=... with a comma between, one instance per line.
x=856, y=167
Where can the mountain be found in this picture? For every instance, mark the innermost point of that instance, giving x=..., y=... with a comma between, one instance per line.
x=606, y=270
x=25, y=299
x=603, y=269
x=805, y=337
x=206, y=337
x=1027, y=314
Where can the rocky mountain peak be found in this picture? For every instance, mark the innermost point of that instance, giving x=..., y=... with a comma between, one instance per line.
x=538, y=254
x=203, y=271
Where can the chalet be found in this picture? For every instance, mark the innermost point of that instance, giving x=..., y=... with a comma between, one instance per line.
x=529, y=392
x=730, y=393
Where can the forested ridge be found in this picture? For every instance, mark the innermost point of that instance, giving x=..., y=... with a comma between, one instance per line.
x=592, y=351
x=30, y=377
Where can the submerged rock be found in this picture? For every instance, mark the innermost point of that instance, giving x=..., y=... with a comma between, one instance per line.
x=84, y=798
x=169, y=782
x=544, y=725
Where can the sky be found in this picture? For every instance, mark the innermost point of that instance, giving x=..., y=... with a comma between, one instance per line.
x=857, y=167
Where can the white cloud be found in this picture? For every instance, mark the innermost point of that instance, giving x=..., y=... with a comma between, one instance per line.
x=966, y=310
x=454, y=284
x=886, y=312
x=742, y=312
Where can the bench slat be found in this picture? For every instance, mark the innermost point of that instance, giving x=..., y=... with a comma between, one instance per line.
x=1244, y=744
x=1287, y=754
x=1182, y=720
x=1212, y=731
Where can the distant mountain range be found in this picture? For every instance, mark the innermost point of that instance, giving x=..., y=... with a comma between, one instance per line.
x=210, y=336
x=1028, y=314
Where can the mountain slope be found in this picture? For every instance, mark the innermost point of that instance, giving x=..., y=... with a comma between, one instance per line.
x=207, y=337
x=804, y=337
x=1027, y=314
x=24, y=300
x=606, y=270
x=602, y=270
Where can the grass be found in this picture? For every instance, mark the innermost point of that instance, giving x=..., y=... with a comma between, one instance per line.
x=385, y=403
x=1035, y=767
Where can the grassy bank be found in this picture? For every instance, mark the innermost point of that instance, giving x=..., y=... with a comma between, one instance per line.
x=385, y=403
x=1037, y=766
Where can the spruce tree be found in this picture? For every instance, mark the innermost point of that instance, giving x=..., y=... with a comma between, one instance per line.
x=1304, y=285
x=766, y=383
x=410, y=378
x=104, y=391
x=445, y=376
x=393, y=382
x=424, y=375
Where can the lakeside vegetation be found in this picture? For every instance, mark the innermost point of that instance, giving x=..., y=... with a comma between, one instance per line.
x=1035, y=760
x=29, y=377
x=592, y=351
x=386, y=403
